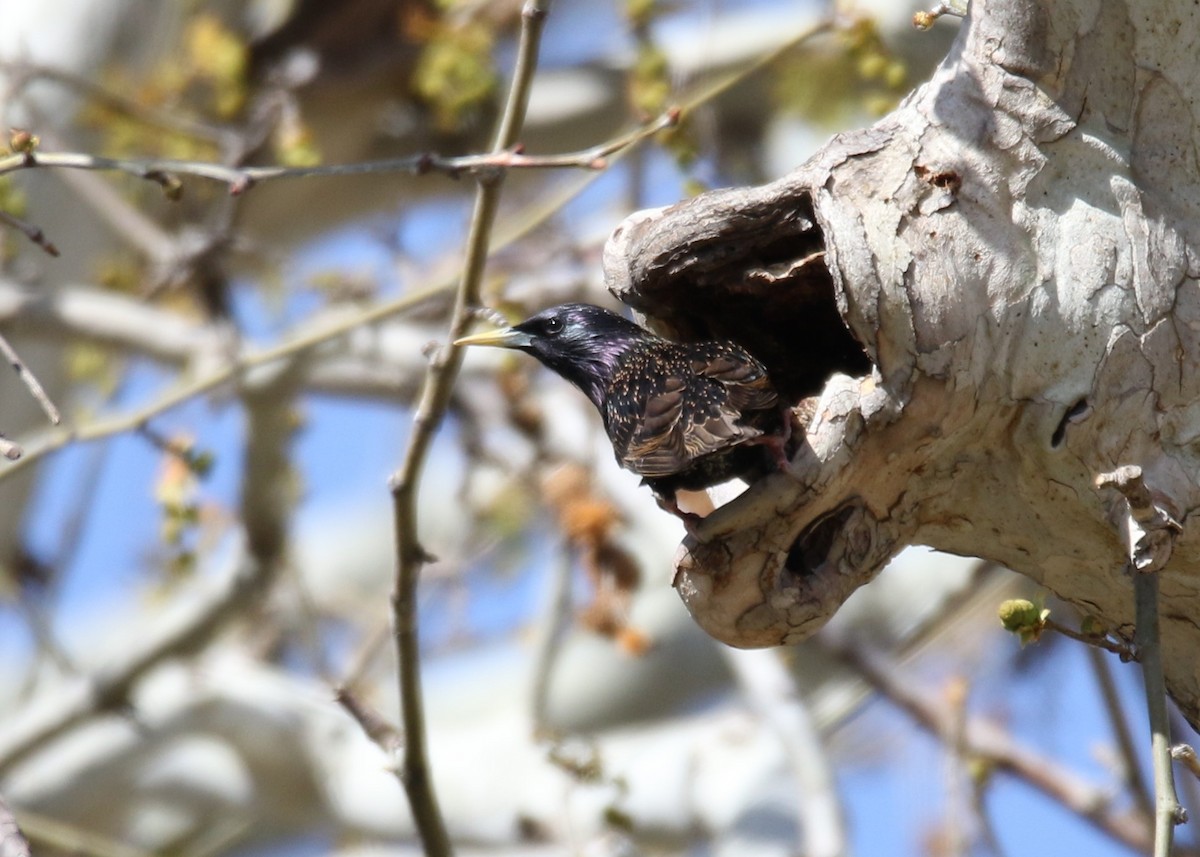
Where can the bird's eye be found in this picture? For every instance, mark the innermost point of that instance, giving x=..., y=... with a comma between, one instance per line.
x=553, y=324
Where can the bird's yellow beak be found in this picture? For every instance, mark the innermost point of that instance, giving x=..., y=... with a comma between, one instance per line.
x=506, y=337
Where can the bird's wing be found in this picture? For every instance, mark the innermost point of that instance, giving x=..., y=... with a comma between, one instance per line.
x=696, y=411
x=745, y=381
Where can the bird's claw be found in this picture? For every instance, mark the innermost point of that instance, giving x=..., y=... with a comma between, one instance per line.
x=777, y=445
x=690, y=519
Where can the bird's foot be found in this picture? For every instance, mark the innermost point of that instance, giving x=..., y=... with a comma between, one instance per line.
x=690, y=519
x=777, y=447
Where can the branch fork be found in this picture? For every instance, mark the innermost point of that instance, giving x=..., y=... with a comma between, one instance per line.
x=1149, y=529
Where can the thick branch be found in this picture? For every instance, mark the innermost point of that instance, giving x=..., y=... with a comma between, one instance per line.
x=995, y=290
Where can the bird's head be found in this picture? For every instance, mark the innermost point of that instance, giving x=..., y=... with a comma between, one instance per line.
x=580, y=342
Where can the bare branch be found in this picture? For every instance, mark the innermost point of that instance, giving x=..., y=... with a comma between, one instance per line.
x=190, y=389
x=1150, y=529
x=1185, y=754
x=360, y=367
x=190, y=625
x=373, y=724
x=1167, y=810
x=992, y=745
x=772, y=692
x=30, y=380
x=320, y=332
x=33, y=233
x=551, y=630
x=592, y=159
x=115, y=101
x=1131, y=763
x=1094, y=641
x=127, y=221
x=165, y=172
x=1150, y=533
x=923, y=20
x=435, y=398
x=370, y=646
x=955, y=828
x=77, y=313
x=12, y=841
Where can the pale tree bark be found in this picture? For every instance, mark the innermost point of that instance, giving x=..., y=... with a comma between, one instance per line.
x=1015, y=248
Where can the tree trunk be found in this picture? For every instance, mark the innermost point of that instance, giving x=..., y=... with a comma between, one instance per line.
x=1014, y=248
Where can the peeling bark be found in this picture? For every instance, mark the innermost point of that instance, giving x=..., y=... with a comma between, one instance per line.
x=1014, y=248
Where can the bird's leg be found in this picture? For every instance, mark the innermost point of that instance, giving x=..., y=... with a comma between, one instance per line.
x=668, y=504
x=777, y=442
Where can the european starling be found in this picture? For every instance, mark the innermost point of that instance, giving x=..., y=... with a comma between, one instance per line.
x=682, y=415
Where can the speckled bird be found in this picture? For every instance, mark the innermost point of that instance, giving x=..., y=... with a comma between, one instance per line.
x=682, y=415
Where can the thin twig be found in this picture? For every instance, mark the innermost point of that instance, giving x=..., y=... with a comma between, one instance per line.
x=1185, y=754
x=147, y=115
x=552, y=629
x=987, y=828
x=320, y=334
x=373, y=724
x=223, y=375
x=1150, y=532
x=30, y=380
x=435, y=398
x=33, y=233
x=130, y=224
x=537, y=215
x=1131, y=764
x=366, y=652
x=165, y=172
x=989, y=743
x=1187, y=784
x=1167, y=811
x=923, y=20
x=40, y=626
x=1093, y=641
